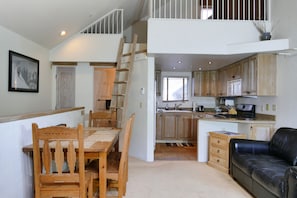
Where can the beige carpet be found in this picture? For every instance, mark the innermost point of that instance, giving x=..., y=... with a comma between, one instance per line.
x=179, y=179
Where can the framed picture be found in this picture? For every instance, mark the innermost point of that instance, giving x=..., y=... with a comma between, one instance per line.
x=23, y=73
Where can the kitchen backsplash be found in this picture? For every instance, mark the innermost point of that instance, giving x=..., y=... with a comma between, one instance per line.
x=207, y=102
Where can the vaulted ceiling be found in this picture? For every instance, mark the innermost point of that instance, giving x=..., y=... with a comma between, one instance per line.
x=42, y=21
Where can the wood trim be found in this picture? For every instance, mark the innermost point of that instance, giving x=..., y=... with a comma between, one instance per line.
x=65, y=63
x=33, y=115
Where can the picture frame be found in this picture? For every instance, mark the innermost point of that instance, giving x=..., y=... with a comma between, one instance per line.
x=23, y=73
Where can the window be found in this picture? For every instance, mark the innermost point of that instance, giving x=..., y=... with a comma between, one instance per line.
x=175, y=89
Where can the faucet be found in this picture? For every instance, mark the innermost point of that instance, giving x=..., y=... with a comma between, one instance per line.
x=176, y=106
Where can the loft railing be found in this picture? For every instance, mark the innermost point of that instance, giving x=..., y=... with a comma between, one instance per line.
x=111, y=23
x=211, y=9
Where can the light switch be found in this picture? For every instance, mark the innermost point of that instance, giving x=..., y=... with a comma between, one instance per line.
x=142, y=91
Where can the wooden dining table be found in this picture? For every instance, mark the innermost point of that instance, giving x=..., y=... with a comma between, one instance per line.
x=98, y=142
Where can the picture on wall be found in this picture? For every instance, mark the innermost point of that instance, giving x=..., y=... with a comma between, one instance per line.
x=23, y=73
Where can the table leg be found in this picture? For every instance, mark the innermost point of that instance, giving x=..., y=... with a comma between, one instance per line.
x=102, y=174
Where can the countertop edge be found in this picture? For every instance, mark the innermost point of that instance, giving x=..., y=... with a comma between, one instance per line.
x=239, y=121
x=39, y=114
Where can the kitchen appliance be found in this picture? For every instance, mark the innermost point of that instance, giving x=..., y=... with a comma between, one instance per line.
x=200, y=108
x=246, y=111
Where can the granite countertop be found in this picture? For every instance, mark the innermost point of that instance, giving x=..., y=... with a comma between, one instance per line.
x=209, y=114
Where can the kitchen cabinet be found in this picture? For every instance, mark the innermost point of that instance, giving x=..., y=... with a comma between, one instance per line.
x=259, y=75
x=258, y=131
x=234, y=71
x=158, y=82
x=169, y=126
x=222, y=82
x=175, y=126
x=205, y=83
x=184, y=127
x=158, y=126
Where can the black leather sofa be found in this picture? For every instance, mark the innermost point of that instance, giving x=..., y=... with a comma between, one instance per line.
x=266, y=168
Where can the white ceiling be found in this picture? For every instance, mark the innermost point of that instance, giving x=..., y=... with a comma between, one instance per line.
x=42, y=22
x=194, y=62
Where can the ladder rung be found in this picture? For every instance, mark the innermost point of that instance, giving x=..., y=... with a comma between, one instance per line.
x=122, y=95
x=127, y=54
x=122, y=69
x=125, y=62
x=120, y=82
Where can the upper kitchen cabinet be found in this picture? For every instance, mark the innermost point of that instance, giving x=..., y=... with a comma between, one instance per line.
x=205, y=83
x=259, y=75
x=158, y=82
x=234, y=71
x=222, y=82
x=227, y=75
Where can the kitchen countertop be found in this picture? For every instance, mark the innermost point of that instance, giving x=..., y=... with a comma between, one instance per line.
x=210, y=116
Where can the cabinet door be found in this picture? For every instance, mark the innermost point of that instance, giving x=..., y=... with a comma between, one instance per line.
x=158, y=82
x=222, y=82
x=249, y=78
x=159, y=126
x=205, y=83
x=213, y=78
x=261, y=131
x=197, y=79
x=253, y=75
x=168, y=126
x=184, y=127
x=266, y=75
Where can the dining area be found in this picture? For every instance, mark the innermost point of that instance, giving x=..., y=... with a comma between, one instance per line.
x=56, y=159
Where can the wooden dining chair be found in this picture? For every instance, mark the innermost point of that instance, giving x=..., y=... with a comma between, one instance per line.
x=53, y=147
x=117, y=163
x=102, y=119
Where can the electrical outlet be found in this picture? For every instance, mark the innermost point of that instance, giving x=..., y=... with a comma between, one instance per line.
x=267, y=107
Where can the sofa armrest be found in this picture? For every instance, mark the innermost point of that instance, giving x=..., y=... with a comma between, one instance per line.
x=249, y=146
x=291, y=182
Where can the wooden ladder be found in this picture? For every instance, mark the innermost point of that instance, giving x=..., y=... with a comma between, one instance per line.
x=122, y=82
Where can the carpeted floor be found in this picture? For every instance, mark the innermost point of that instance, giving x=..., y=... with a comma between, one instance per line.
x=180, y=179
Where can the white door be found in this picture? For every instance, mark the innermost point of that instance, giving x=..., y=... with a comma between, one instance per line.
x=65, y=87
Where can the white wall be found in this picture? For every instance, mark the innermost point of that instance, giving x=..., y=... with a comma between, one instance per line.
x=13, y=103
x=284, y=20
x=143, y=106
x=207, y=37
x=87, y=48
x=16, y=167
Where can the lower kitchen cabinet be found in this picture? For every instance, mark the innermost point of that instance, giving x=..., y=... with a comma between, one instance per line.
x=175, y=126
x=258, y=131
x=169, y=129
x=184, y=127
x=261, y=131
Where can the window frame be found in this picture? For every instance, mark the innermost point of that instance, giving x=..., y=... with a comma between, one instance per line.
x=185, y=91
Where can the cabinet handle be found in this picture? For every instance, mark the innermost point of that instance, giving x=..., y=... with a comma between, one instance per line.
x=218, y=160
x=218, y=151
x=218, y=141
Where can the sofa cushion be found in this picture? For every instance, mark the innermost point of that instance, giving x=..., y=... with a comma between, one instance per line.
x=271, y=178
x=248, y=162
x=283, y=144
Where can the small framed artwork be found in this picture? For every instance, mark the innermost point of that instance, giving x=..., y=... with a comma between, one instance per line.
x=23, y=73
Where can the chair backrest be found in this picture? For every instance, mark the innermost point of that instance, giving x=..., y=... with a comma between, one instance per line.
x=126, y=144
x=52, y=147
x=101, y=119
